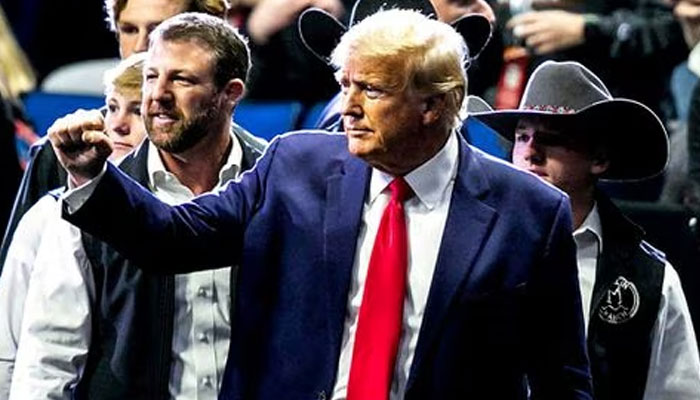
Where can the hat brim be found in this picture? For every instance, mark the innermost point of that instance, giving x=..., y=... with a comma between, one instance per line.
x=637, y=140
x=476, y=104
x=320, y=32
x=476, y=31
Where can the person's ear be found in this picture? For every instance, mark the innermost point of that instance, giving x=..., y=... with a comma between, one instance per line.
x=233, y=91
x=433, y=108
x=601, y=162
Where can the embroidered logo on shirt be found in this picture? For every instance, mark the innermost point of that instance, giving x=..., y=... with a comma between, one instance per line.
x=621, y=303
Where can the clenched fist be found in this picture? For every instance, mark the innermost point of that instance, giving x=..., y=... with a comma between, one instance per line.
x=80, y=143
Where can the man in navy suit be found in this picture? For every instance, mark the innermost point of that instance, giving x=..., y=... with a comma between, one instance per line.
x=488, y=300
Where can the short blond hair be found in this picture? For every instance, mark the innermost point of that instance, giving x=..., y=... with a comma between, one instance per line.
x=432, y=54
x=127, y=76
x=216, y=8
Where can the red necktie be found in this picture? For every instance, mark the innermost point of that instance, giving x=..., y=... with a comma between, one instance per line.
x=381, y=311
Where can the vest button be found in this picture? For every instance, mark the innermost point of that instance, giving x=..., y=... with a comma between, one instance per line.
x=321, y=395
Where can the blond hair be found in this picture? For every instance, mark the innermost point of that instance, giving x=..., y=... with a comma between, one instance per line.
x=216, y=8
x=127, y=76
x=16, y=74
x=431, y=55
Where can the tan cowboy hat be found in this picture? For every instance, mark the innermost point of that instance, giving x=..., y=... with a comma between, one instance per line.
x=636, y=139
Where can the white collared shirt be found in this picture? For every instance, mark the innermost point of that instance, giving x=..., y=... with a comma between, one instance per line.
x=201, y=326
x=426, y=214
x=674, y=365
x=14, y=281
x=50, y=364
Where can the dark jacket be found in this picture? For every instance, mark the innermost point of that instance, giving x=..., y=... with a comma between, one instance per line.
x=130, y=350
x=628, y=42
x=10, y=171
x=624, y=307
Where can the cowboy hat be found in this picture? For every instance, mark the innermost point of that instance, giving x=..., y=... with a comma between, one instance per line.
x=321, y=32
x=636, y=139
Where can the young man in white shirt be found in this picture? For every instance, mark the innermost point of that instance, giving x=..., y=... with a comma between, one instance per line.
x=571, y=132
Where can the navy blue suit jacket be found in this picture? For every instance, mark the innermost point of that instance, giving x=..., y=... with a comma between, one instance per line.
x=503, y=311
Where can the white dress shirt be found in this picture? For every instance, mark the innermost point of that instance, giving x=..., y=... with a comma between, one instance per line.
x=426, y=214
x=201, y=328
x=56, y=328
x=15, y=280
x=674, y=365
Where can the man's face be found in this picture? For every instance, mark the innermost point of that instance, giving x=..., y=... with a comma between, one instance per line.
x=123, y=121
x=383, y=124
x=139, y=18
x=557, y=158
x=181, y=102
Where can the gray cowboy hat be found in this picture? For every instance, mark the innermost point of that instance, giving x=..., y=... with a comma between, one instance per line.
x=320, y=31
x=567, y=91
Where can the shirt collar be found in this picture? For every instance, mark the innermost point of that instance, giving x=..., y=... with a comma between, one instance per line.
x=158, y=174
x=430, y=180
x=592, y=224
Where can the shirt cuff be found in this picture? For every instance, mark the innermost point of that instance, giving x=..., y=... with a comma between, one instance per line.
x=75, y=197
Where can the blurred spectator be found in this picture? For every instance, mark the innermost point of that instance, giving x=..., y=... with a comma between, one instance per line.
x=281, y=67
x=10, y=171
x=56, y=33
x=624, y=42
x=688, y=13
x=131, y=21
x=16, y=77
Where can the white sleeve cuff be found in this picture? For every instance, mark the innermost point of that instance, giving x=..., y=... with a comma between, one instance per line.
x=76, y=197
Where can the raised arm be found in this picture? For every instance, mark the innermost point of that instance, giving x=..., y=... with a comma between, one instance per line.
x=203, y=234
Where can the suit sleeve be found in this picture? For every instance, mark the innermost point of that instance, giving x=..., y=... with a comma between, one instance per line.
x=558, y=362
x=203, y=234
x=42, y=175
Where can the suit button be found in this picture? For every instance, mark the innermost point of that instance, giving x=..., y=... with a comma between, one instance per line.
x=321, y=395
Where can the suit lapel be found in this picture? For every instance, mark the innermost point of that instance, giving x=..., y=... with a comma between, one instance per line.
x=468, y=224
x=345, y=194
